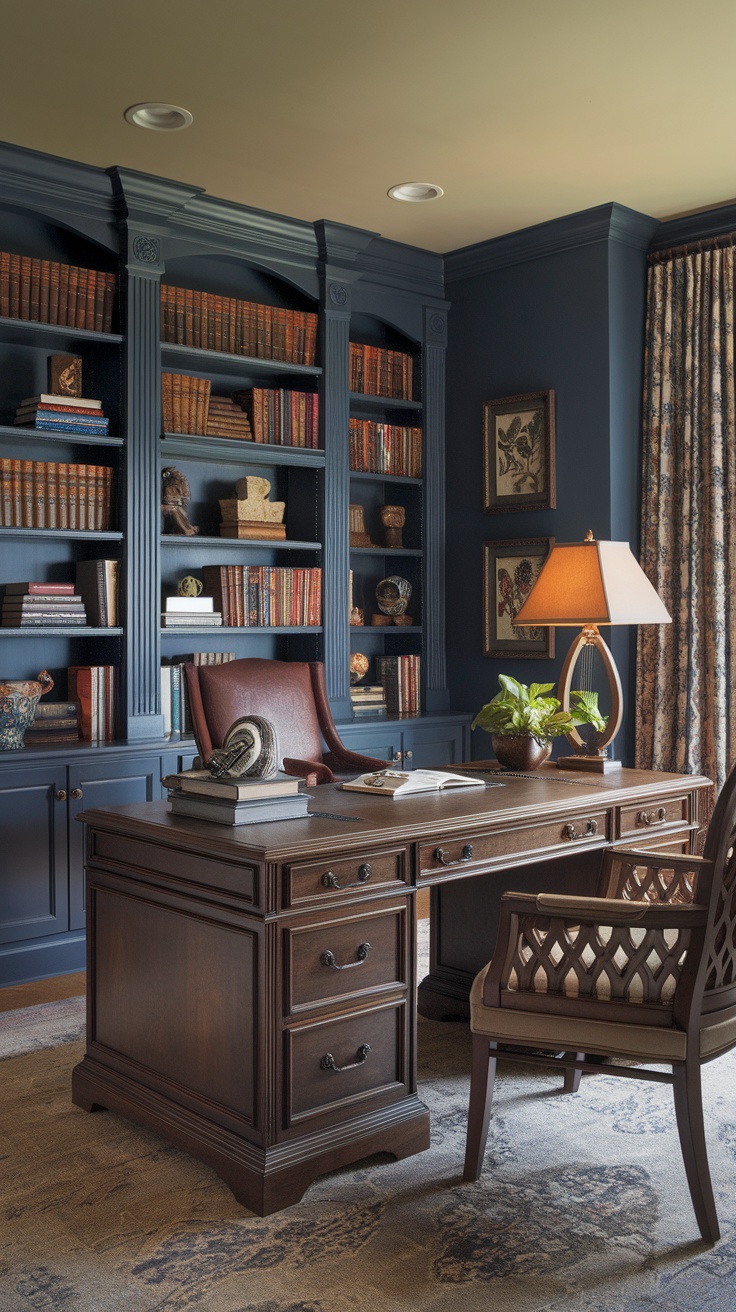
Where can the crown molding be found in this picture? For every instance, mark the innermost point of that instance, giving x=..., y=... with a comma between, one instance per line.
x=695, y=227
x=78, y=196
x=603, y=223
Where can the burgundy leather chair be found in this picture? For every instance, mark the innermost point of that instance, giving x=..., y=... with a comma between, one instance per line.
x=292, y=695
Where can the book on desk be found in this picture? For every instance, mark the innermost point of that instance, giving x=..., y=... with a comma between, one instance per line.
x=400, y=783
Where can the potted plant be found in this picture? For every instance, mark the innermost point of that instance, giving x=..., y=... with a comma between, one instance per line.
x=522, y=721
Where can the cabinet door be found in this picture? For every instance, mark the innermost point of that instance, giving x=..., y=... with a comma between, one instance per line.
x=430, y=747
x=103, y=783
x=33, y=869
x=381, y=741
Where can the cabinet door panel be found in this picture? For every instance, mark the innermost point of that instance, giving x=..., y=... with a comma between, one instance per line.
x=33, y=870
x=433, y=747
x=101, y=784
x=380, y=741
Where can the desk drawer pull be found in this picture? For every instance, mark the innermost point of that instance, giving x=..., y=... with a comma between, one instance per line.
x=441, y=855
x=364, y=873
x=328, y=958
x=652, y=817
x=570, y=832
x=328, y=1063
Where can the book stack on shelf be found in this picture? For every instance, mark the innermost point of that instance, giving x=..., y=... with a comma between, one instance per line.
x=97, y=583
x=29, y=605
x=228, y=419
x=93, y=688
x=212, y=657
x=175, y=706
x=53, y=722
x=385, y=449
x=375, y=371
x=265, y=596
x=241, y=801
x=190, y=612
x=368, y=701
x=281, y=417
x=185, y=403
x=50, y=494
x=400, y=677
x=62, y=414
x=224, y=323
x=49, y=292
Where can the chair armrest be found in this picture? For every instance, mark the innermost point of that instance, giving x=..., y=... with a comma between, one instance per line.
x=312, y=772
x=637, y=875
x=347, y=760
x=590, y=948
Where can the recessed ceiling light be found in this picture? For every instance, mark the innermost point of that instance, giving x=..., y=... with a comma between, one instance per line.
x=416, y=191
x=159, y=117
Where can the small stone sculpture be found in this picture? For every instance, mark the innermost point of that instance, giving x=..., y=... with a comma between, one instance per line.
x=393, y=519
x=175, y=497
x=250, y=750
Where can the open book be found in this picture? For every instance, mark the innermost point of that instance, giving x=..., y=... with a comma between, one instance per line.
x=398, y=783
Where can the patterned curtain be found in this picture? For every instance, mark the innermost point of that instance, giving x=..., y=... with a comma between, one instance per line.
x=686, y=718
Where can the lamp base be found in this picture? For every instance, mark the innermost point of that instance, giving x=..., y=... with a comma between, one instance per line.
x=591, y=764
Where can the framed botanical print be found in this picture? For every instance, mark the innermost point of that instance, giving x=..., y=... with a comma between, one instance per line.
x=510, y=570
x=519, y=452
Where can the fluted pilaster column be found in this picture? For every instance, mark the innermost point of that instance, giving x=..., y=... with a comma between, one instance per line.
x=436, y=696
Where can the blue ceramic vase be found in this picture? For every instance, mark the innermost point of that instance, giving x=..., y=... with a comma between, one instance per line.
x=18, y=700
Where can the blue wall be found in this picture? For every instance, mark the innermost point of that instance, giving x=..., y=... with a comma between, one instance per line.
x=558, y=306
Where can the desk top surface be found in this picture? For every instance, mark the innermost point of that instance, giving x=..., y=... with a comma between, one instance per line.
x=341, y=820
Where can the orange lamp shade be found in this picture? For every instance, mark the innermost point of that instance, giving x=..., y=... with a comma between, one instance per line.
x=592, y=583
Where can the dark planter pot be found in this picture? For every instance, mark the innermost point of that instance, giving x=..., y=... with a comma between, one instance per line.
x=519, y=751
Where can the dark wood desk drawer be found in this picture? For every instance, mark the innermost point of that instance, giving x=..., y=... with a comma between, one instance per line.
x=334, y=1063
x=641, y=820
x=460, y=855
x=336, y=877
x=344, y=956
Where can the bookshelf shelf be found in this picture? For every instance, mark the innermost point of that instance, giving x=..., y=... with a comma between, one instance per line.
x=244, y=544
x=255, y=631
x=220, y=362
x=10, y=434
x=27, y=332
x=60, y=631
x=367, y=401
x=386, y=551
x=62, y=534
x=184, y=446
x=385, y=478
x=385, y=630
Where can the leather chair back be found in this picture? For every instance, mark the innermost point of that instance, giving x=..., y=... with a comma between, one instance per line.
x=280, y=691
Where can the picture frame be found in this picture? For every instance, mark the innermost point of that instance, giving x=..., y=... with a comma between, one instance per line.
x=510, y=569
x=519, y=452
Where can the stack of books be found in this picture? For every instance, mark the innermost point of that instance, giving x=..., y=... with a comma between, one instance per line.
x=97, y=583
x=246, y=801
x=368, y=700
x=227, y=419
x=93, y=688
x=53, y=722
x=281, y=417
x=400, y=676
x=223, y=323
x=62, y=414
x=189, y=613
x=375, y=371
x=385, y=449
x=50, y=292
x=42, y=604
x=185, y=402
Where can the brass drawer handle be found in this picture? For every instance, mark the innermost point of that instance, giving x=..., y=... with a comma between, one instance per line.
x=441, y=855
x=364, y=873
x=328, y=1063
x=328, y=958
x=652, y=817
x=571, y=833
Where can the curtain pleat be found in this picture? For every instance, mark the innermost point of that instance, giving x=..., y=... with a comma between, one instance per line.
x=687, y=669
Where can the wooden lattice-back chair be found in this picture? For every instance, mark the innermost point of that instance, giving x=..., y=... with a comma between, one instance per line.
x=645, y=972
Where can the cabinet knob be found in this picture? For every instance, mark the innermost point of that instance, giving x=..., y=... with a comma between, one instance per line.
x=396, y=758
x=61, y=794
x=76, y=794
x=408, y=755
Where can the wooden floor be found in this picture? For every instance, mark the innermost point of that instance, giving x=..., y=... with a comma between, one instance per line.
x=42, y=990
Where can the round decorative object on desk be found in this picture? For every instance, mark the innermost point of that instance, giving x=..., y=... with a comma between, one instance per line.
x=250, y=749
x=392, y=595
x=520, y=751
x=18, y=700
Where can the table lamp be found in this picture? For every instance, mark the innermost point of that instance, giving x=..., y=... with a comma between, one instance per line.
x=591, y=583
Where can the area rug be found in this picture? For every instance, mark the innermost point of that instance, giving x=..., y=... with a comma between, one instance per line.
x=582, y=1207
x=44, y=1026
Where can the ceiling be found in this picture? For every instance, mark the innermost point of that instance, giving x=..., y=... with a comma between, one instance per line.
x=522, y=110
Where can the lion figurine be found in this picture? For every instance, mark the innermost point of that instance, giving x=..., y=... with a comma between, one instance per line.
x=175, y=495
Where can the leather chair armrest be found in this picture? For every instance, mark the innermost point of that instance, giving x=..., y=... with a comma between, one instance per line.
x=312, y=772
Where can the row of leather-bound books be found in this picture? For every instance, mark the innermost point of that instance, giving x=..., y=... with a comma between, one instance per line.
x=401, y=679
x=47, y=291
x=53, y=494
x=225, y=323
x=277, y=416
x=265, y=596
x=378, y=371
x=385, y=449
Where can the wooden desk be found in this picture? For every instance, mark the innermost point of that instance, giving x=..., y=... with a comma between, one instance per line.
x=252, y=991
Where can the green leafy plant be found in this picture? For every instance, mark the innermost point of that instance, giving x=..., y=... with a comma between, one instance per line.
x=521, y=711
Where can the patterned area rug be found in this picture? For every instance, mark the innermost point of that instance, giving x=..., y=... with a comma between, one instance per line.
x=582, y=1207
